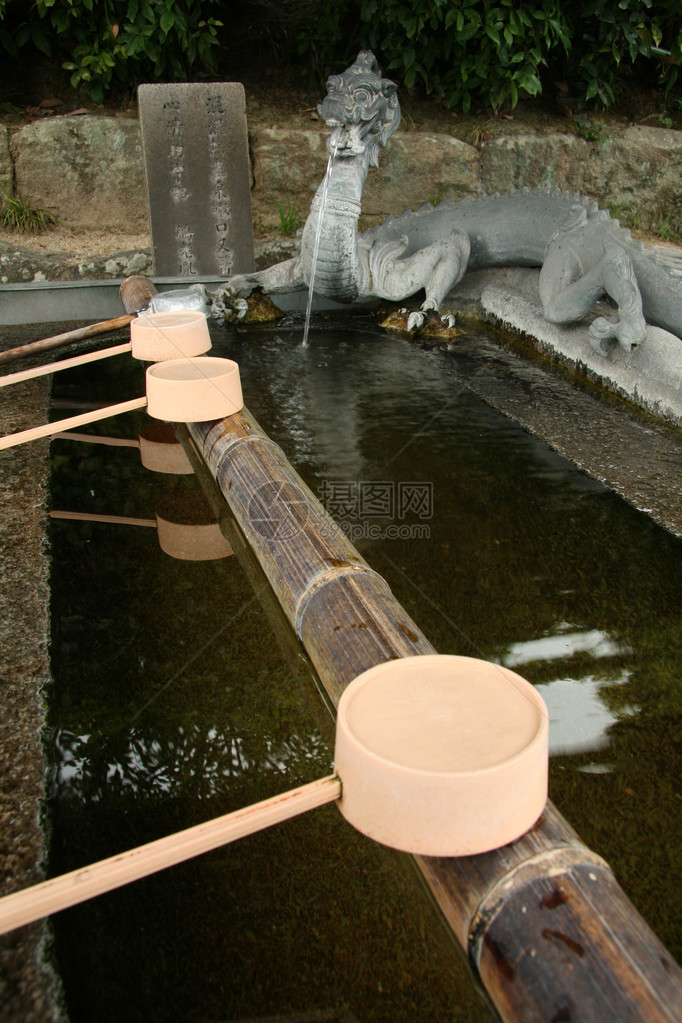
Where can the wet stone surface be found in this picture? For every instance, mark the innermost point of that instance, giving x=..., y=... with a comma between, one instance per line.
x=634, y=452
x=27, y=985
x=629, y=451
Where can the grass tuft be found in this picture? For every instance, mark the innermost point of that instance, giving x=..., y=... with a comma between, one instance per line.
x=289, y=218
x=22, y=217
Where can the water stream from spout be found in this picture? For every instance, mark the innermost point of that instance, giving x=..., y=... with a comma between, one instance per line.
x=316, y=245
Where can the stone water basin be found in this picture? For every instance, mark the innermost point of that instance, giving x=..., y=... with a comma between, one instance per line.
x=170, y=702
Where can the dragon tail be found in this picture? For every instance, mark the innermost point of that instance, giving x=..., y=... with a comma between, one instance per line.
x=659, y=276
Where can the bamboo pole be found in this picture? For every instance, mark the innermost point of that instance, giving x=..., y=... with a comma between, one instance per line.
x=57, y=340
x=546, y=927
x=136, y=293
x=59, y=893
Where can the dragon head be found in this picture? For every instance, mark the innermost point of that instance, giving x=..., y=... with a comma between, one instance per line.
x=361, y=108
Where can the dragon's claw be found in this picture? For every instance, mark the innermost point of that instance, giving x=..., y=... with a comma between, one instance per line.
x=603, y=331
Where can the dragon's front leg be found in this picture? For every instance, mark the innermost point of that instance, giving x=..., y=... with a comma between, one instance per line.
x=273, y=280
x=571, y=281
x=436, y=268
x=279, y=277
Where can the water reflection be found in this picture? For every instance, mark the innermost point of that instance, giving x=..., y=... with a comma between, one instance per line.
x=196, y=758
x=527, y=560
x=579, y=718
x=564, y=643
x=164, y=716
x=579, y=713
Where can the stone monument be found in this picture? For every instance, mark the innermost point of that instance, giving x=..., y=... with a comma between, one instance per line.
x=198, y=178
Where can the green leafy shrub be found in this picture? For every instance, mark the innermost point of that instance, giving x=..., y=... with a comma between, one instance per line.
x=467, y=51
x=495, y=52
x=462, y=51
x=112, y=45
x=333, y=37
x=610, y=39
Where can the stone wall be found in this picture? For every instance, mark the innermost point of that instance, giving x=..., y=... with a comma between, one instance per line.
x=6, y=176
x=88, y=171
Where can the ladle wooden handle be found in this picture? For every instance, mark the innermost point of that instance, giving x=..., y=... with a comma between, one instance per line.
x=69, y=889
x=49, y=429
x=80, y=333
x=55, y=367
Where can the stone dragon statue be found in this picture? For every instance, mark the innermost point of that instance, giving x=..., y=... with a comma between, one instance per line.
x=583, y=253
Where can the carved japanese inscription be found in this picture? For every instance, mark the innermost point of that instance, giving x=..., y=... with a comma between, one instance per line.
x=198, y=178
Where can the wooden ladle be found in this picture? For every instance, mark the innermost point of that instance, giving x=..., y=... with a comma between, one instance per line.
x=177, y=391
x=155, y=337
x=434, y=755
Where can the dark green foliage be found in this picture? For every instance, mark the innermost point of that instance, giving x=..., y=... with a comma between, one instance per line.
x=488, y=51
x=333, y=37
x=495, y=52
x=610, y=40
x=467, y=53
x=112, y=45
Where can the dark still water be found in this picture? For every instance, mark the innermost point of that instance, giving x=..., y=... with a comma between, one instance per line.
x=172, y=702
